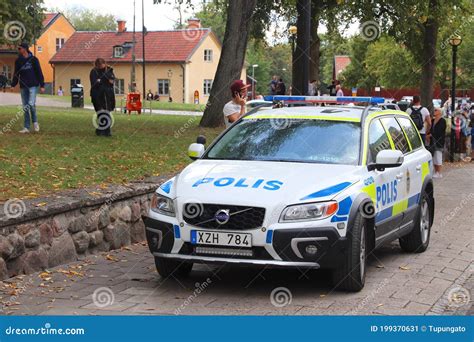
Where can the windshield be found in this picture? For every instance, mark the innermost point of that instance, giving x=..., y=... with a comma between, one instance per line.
x=290, y=140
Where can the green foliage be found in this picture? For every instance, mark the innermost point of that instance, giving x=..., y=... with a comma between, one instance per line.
x=23, y=17
x=213, y=15
x=84, y=19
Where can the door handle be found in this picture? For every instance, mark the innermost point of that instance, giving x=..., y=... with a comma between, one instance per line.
x=418, y=168
x=399, y=177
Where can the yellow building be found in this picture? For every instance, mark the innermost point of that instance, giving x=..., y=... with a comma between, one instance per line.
x=179, y=63
x=56, y=31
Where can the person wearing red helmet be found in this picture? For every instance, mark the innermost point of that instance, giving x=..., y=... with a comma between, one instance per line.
x=235, y=109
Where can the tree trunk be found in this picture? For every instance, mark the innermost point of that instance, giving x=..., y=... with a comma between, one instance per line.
x=302, y=51
x=239, y=16
x=430, y=37
x=315, y=50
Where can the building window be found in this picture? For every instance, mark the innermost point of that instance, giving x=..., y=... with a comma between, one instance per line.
x=163, y=87
x=119, y=86
x=207, y=87
x=118, y=51
x=208, y=55
x=7, y=71
x=75, y=81
x=59, y=43
x=40, y=49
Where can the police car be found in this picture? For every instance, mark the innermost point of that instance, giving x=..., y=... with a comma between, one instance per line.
x=298, y=187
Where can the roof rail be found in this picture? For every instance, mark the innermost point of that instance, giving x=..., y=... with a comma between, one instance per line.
x=324, y=99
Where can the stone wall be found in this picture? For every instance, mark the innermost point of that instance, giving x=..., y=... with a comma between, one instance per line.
x=40, y=233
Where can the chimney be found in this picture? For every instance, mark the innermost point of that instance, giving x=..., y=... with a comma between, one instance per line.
x=193, y=23
x=121, y=26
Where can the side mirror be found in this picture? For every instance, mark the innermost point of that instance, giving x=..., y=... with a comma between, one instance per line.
x=387, y=159
x=196, y=151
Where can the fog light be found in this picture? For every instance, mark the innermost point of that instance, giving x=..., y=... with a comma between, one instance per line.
x=311, y=249
x=341, y=225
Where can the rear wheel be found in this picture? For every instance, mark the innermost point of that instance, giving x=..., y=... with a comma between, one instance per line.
x=351, y=275
x=419, y=238
x=167, y=267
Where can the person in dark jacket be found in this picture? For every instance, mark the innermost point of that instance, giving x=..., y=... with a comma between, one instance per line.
x=29, y=75
x=438, y=139
x=281, y=87
x=102, y=94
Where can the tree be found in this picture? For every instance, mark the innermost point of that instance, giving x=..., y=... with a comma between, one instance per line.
x=20, y=20
x=213, y=15
x=89, y=20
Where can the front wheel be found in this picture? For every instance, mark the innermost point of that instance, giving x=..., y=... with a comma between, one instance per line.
x=351, y=275
x=419, y=238
x=167, y=267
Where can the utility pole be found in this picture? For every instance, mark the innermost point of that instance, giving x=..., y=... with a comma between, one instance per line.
x=143, y=48
x=132, y=78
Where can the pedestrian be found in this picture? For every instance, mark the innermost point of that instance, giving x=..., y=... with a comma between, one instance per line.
x=281, y=87
x=438, y=140
x=60, y=91
x=29, y=75
x=156, y=97
x=3, y=81
x=332, y=88
x=312, y=88
x=102, y=93
x=149, y=95
x=273, y=85
x=339, y=91
x=235, y=109
x=420, y=116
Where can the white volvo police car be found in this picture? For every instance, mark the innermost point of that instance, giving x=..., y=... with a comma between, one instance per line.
x=304, y=187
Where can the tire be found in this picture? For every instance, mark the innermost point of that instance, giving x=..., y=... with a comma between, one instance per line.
x=351, y=275
x=169, y=267
x=418, y=239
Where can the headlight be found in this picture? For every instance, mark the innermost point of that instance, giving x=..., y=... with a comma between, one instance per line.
x=162, y=205
x=308, y=211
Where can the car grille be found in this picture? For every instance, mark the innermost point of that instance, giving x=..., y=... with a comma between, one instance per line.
x=241, y=217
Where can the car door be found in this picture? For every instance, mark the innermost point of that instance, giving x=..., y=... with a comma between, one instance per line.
x=387, y=182
x=416, y=162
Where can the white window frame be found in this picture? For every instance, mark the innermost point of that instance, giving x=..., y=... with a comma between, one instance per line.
x=59, y=43
x=118, y=52
x=208, y=55
x=8, y=71
x=119, y=86
x=162, y=85
x=206, y=87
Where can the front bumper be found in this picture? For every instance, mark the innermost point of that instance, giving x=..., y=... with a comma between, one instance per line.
x=286, y=248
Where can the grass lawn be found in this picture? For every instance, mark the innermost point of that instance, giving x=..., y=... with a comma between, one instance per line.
x=154, y=104
x=67, y=154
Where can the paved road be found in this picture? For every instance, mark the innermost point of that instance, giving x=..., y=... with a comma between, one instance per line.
x=13, y=99
x=125, y=282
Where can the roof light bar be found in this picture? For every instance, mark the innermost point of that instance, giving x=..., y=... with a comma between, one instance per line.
x=325, y=99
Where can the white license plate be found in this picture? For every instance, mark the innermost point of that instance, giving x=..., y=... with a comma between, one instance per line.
x=202, y=237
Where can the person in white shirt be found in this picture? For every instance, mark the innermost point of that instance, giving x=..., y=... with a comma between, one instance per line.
x=417, y=110
x=339, y=91
x=235, y=109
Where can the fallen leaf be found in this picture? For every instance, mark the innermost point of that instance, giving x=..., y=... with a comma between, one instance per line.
x=404, y=268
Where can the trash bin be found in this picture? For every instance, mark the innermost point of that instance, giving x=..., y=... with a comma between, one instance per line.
x=77, y=96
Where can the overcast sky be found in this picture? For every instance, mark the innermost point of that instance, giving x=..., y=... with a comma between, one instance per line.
x=157, y=17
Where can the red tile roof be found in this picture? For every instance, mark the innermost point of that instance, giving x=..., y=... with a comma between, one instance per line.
x=161, y=46
x=48, y=17
x=340, y=63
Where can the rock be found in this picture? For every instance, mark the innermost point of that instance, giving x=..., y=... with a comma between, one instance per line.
x=16, y=266
x=60, y=224
x=136, y=212
x=6, y=248
x=117, y=235
x=34, y=261
x=3, y=269
x=18, y=244
x=81, y=241
x=92, y=221
x=46, y=234
x=137, y=232
x=96, y=238
x=32, y=239
x=104, y=217
x=62, y=251
x=78, y=225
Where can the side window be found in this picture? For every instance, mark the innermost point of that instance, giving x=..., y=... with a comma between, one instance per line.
x=397, y=135
x=411, y=132
x=378, y=139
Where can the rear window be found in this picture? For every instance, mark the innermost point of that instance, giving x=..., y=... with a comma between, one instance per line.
x=290, y=140
x=411, y=132
x=396, y=133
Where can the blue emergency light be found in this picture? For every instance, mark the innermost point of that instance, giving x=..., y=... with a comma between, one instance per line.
x=325, y=99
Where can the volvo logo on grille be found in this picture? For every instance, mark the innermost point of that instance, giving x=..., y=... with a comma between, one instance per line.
x=222, y=216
